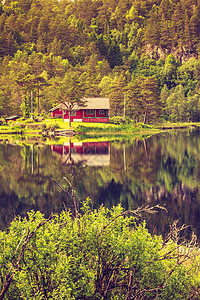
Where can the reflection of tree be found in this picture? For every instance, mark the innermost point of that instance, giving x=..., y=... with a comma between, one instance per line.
x=110, y=194
x=161, y=169
x=25, y=179
x=142, y=161
x=181, y=203
x=180, y=160
x=164, y=169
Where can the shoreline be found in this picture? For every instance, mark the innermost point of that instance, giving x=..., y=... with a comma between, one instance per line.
x=99, y=130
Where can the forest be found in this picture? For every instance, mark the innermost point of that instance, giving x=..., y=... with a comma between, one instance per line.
x=143, y=53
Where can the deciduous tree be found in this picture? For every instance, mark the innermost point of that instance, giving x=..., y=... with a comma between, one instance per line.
x=70, y=91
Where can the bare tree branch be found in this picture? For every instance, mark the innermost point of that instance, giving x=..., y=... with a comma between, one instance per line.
x=137, y=212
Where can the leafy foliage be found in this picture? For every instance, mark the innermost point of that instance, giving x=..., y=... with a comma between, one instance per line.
x=110, y=46
x=98, y=254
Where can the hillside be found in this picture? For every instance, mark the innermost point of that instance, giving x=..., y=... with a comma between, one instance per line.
x=142, y=51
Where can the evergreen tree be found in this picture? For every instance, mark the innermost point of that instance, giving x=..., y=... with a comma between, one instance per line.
x=117, y=95
x=114, y=56
x=168, y=75
x=133, y=108
x=149, y=99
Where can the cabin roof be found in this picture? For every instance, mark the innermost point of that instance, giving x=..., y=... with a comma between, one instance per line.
x=90, y=103
x=12, y=117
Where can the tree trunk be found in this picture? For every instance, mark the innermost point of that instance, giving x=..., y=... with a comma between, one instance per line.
x=31, y=104
x=145, y=115
x=70, y=151
x=69, y=118
x=38, y=104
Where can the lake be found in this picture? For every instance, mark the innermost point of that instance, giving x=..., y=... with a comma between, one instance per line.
x=163, y=169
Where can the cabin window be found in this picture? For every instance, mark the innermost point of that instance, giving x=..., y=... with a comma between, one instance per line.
x=89, y=111
x=73, y=113
x=102, y=112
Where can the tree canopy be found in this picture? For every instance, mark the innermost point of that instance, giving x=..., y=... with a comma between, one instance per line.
x=93, y=39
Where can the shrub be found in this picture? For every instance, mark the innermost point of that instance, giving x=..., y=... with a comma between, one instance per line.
x=120, y=120
x=117, y=120
x=142, y=125
x=100, y=254
x=53, y=126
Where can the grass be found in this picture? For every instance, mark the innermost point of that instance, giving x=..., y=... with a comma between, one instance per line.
x=90, y=131
x=178, y=125
x=78, y=127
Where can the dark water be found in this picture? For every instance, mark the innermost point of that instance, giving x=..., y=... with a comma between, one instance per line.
x=163, y=169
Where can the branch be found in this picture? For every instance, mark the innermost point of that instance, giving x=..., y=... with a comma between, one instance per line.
x=129, y=284
x=137, y=212
x=60, y=186
x=72, y=195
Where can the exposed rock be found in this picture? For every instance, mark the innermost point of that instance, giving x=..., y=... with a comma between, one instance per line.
x=183, y=53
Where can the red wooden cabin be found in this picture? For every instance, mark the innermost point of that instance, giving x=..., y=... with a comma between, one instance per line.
x=95, y=110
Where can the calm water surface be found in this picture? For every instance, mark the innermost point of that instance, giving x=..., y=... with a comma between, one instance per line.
x=163, y=169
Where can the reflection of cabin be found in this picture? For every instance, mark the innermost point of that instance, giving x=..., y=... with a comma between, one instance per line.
x=12, y=118
x=95, y=110
x=93, y=154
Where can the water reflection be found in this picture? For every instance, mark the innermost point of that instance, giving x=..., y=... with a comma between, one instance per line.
x=91, y=154
x=163, y=169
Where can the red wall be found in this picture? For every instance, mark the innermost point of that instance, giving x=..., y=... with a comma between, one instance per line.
x=96, y=120
x=79, y=115
x=101, y=116
x=56, y=113
x=88, y=118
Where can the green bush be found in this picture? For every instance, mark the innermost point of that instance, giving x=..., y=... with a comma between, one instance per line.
x=142, y=125
x=100, y=254
x=53, y=126
x=120, y=120
x=117, y=120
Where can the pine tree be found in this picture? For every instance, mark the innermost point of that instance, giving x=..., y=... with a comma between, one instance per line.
x=133, y=108
x=177, y=25
x=149, y=99
x=117, y=95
